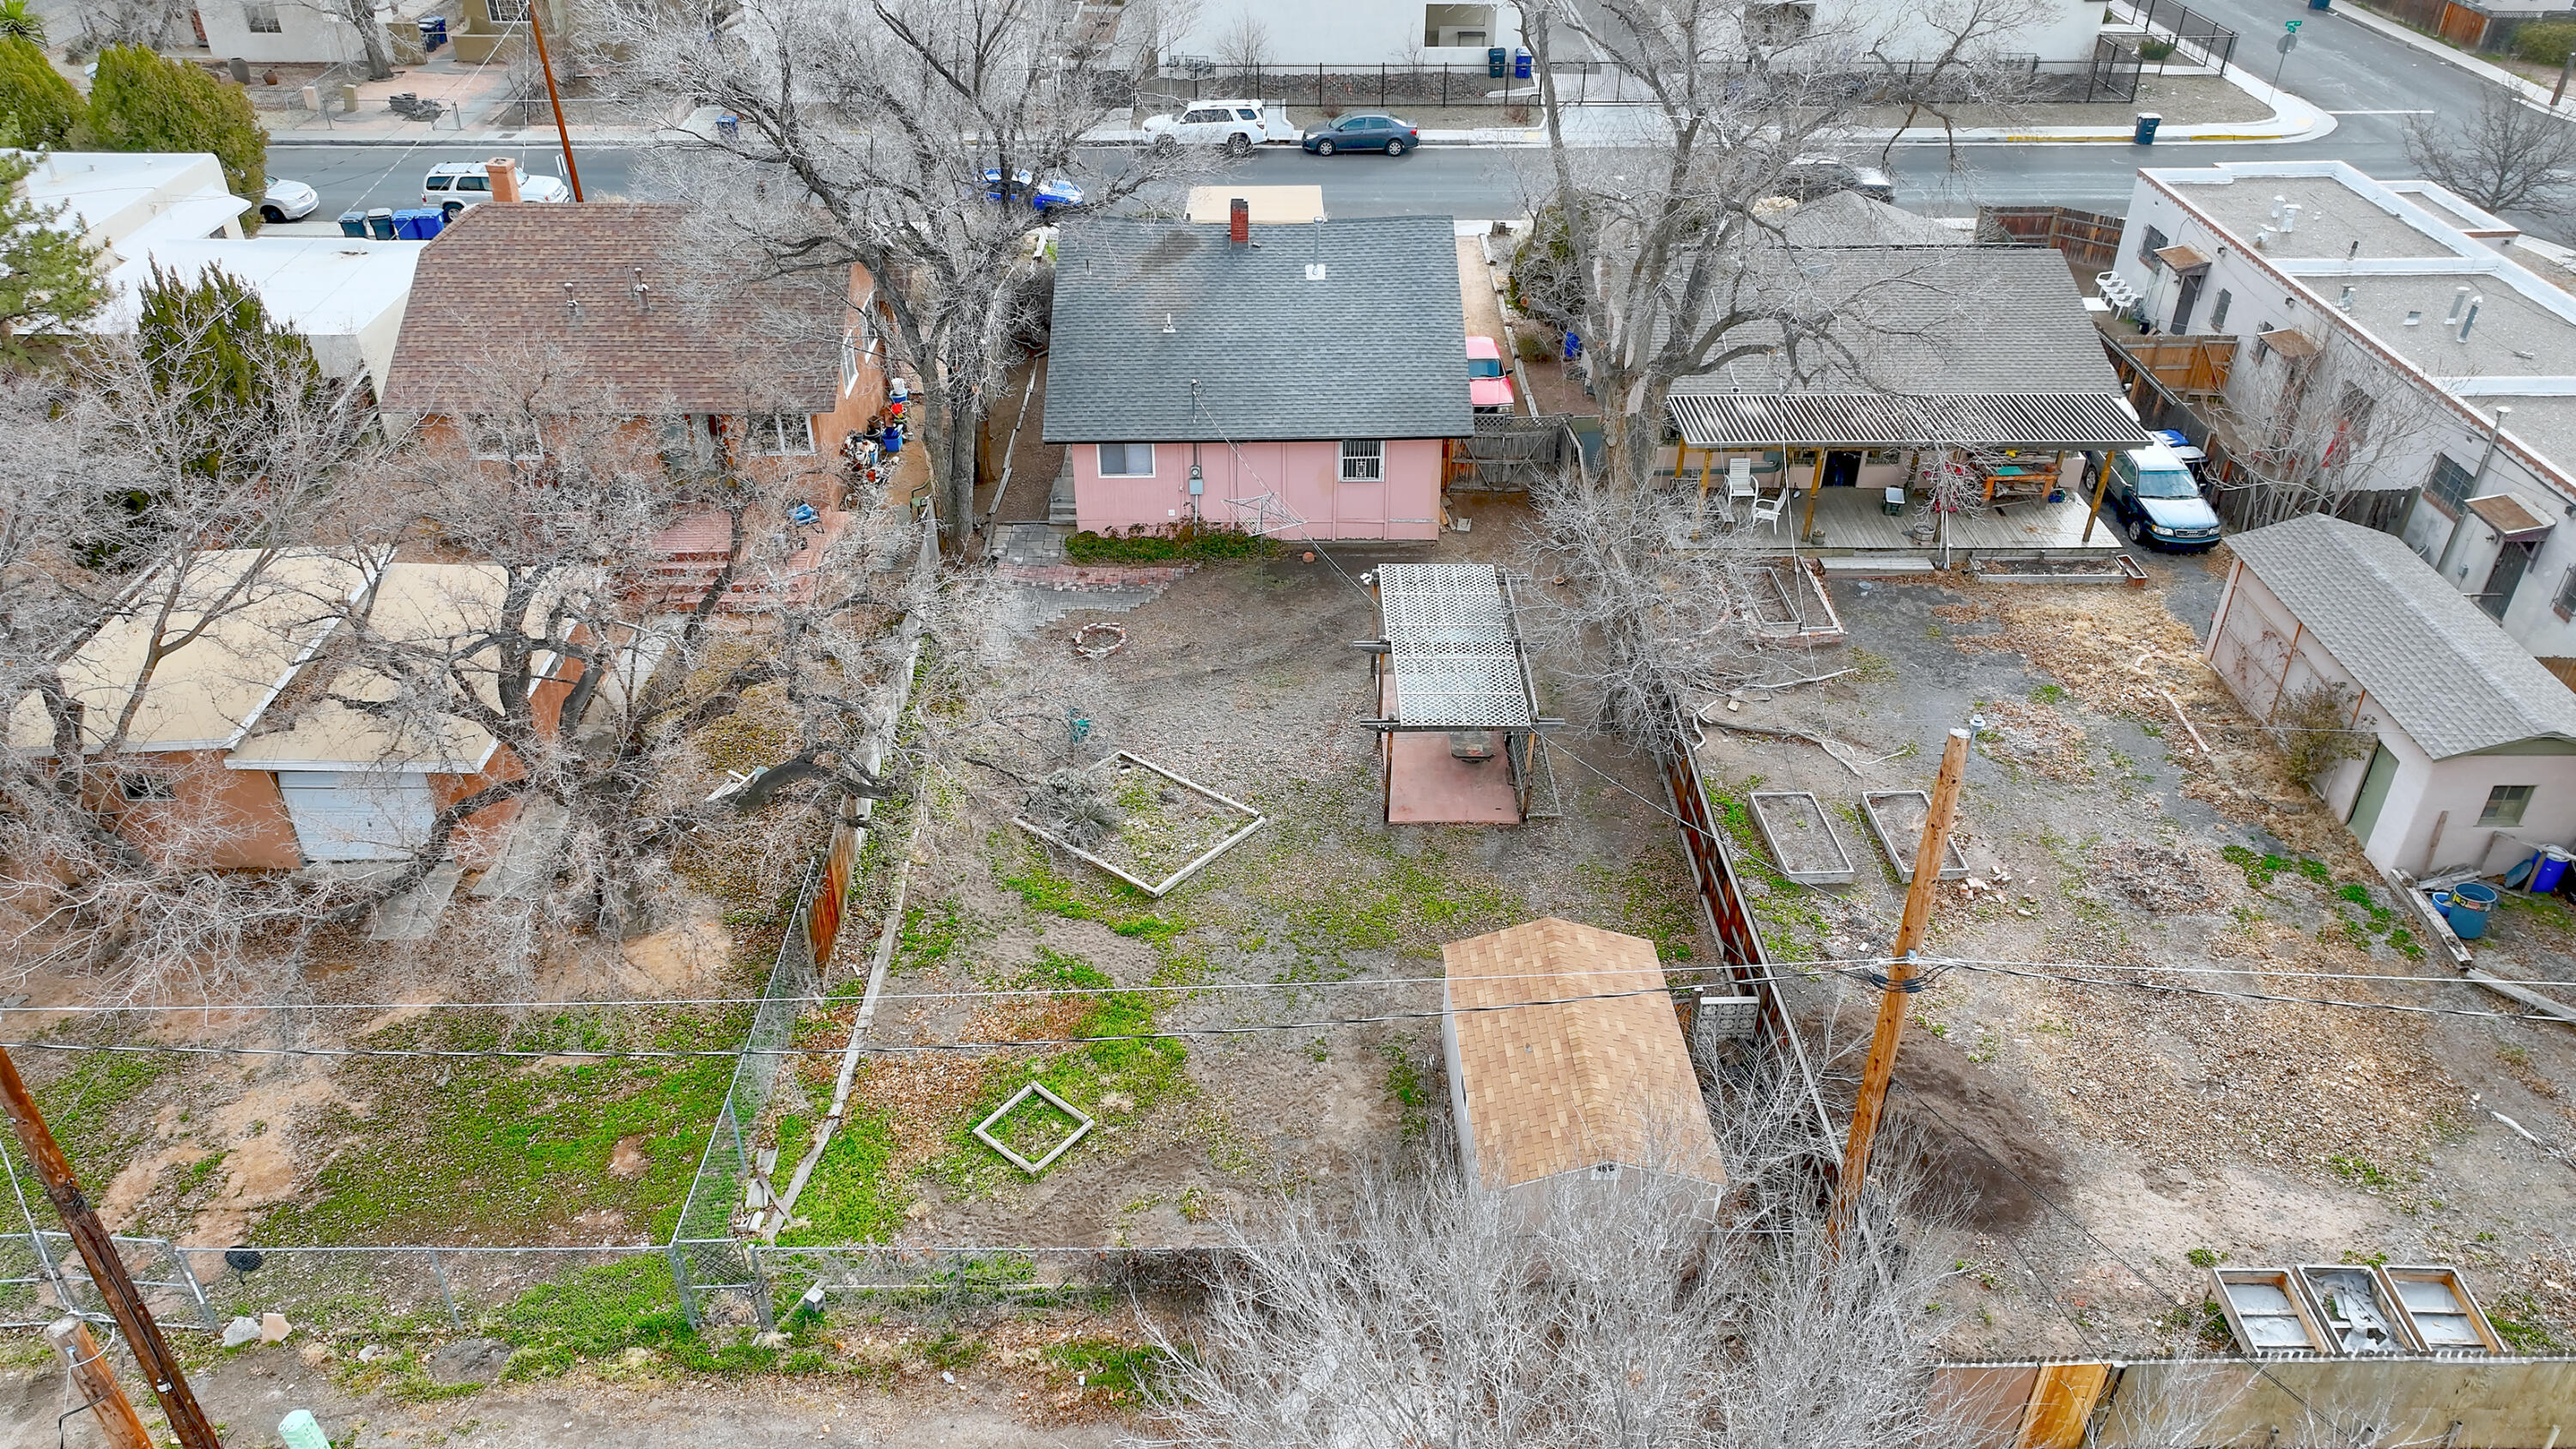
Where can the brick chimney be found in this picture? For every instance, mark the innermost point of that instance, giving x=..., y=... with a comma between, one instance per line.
x=505, y=178
x=1238, y=224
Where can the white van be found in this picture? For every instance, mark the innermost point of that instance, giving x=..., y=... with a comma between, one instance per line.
x=454, y=185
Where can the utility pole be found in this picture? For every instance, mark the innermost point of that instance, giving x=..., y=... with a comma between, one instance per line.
x=1892, y=997
x=160, y=1367
x=537, y=31
x=2566, y=68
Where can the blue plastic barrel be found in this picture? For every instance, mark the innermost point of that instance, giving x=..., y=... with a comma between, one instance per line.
x=2467, y=913
x=2552, y=870
x=353, y=223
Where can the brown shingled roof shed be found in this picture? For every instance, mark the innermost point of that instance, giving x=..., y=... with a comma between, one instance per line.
x=496, y=279
x=1595, y=1081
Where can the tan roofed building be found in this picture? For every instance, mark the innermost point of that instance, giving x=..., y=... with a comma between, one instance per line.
x=1596, y=1080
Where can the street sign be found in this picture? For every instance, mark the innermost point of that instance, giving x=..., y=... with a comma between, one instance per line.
x=2292, y=26
x=2286, y=44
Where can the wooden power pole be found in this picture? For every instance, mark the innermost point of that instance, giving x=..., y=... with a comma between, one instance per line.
x=160, y=1367
x=1881, y=1066
x=96, y=1384
x=537, y=33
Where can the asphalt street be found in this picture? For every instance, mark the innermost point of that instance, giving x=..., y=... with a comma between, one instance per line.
x=2372, y=84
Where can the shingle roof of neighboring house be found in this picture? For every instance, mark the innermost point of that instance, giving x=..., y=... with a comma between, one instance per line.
x=1375, y=349
x=1550, y=1089
x=491, y=288
x=2441, y=669
x=1913, y=322
x=1847, y=218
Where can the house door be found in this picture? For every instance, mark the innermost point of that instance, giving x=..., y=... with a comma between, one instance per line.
x=2374, y=794
x=1842, y=470
x=357, y=815
x=2188, y=299
x=2505, y=577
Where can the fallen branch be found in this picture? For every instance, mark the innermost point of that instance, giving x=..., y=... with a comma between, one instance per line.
x=1833, y=748
x=2186, y=722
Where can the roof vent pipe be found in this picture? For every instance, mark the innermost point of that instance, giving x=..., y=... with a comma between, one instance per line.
x=1168, y=328
x=2344, y=302
x=572, y=304
x=2277, y=203
x=1238, y=228
x=2459, y=299
x=2289, y=218
x=2469, y=319
x=644, y=292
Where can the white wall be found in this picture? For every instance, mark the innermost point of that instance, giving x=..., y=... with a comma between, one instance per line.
x=1923, y=29
x=2259, y=300
x=1336, y=33
x=305, y=33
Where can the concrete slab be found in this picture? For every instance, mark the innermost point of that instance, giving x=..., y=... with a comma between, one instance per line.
x=414, y=914
x=1426, y=785
x=530, y=857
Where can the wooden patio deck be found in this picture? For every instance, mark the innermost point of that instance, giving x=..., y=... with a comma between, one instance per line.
x=1852, y=523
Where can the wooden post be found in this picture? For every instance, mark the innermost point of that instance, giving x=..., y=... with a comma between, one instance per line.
x=98, y=1250
x=1815, y=490
x=2101, y=486
x=96, y=1384
x=1910, y=927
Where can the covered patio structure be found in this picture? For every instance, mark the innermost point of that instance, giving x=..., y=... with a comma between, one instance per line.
x=1458, y=711
x=1874, y=472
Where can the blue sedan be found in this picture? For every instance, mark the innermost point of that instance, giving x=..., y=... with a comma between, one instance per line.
x=1044, y=195
x=1367, y=132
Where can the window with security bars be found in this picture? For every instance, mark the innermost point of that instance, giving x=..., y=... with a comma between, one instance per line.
x=780, y=435
x=2565, y=601
x=1363, y=462
x=2450, y=484
x=2151, y=240
x=510, y=441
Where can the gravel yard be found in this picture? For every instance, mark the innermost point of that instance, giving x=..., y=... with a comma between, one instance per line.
x=1240, y=677
x=2120, y=1138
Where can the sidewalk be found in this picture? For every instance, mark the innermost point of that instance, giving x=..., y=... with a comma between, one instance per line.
x=2484, y=70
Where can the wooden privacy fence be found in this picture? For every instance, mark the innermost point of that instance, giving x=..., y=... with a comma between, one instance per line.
x=2467, y=1401
x=2183, y=364
x=2090, y=240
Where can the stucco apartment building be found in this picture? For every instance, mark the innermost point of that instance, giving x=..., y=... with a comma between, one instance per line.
x=1301, y=381
x=2458, y=363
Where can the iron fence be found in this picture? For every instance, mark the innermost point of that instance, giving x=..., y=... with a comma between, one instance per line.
x=2180, y=30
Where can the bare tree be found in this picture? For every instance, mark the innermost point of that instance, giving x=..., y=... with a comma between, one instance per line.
x=1622, y=1313
x=2313, y=434
x=865, y=131
x=1243, y=48
x=1967, y=69
x=364, y=17
x=2512, y=155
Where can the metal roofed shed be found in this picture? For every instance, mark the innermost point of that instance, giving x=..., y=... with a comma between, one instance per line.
x=1567, y=1064
x=1459, y=712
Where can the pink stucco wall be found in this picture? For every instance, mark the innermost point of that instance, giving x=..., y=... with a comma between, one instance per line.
x=1305, y=475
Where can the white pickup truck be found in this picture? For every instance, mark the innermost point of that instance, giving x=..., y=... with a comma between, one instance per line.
x=1237, y=125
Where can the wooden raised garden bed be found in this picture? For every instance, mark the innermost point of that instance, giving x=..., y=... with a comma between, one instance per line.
x=1801, y=837
x=1896, y=817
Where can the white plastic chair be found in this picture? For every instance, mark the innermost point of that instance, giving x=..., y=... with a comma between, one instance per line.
x=1768, y=510
x=1739, y=478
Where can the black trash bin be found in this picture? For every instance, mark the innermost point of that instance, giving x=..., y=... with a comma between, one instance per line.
x=2147, y=123
x=380, y=223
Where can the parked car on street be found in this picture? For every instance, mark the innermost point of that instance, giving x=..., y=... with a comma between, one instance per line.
x=1044, y=195
x=1236, y=126
x=287, y=201
x=1488, y=389
x=1368, y=131
x=453, y=186
x=1810, y=177
x=2155, y=497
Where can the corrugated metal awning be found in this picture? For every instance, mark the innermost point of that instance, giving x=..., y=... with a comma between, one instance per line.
x=1453, y=648
x=1714, y=419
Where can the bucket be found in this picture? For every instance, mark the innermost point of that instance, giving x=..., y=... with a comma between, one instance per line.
x=2467, y=913
x=2552, y=870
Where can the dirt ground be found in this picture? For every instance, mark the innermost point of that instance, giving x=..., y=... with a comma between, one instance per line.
x=1241, y=678
x=2117, y=1140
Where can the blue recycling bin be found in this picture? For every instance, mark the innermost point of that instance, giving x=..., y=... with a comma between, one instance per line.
x=1573, y=345
x=353, y=223
x=2320, y=4
x=2146, y=132
x=433, y=31
x=1495, y=60
x=1520, y=65
x=418, y=223
x=729, y=126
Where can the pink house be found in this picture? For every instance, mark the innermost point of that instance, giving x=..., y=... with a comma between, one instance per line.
x=1301, y=381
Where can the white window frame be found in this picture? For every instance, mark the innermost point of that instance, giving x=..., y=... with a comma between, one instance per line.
x=1126, y=456
x=260, y=17
x=1367, y=465
x=771, y=437
x=500, y=442
x=849, y=362
x=2506, y=813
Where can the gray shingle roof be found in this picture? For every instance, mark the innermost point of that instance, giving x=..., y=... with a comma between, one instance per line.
x=2443, y=671
x=1922, y=320
x=1377, y=349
